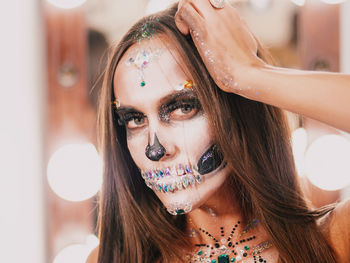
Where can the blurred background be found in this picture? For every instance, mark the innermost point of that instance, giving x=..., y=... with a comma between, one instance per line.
x=53, y=53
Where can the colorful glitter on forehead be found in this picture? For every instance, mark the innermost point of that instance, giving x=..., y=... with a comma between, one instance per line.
x=141, y=58
x=147, y=29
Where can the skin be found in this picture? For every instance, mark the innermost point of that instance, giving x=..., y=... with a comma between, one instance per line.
x=323, y=96
x=229, y=52
x=179, y=136
x=325, y=99
x=177, y=132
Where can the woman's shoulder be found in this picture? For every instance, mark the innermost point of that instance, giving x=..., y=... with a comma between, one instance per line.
x=93, y=257
x=337, y=230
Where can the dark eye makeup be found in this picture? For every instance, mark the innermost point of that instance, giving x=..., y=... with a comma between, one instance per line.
x=125, y=118
x=179, y=106
x=188, y=108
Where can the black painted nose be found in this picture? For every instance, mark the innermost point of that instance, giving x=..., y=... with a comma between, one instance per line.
x=156, y=151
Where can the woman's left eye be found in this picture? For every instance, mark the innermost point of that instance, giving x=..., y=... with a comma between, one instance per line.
x=183, y=111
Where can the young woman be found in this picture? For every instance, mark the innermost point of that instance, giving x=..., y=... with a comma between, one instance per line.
x=194, y=172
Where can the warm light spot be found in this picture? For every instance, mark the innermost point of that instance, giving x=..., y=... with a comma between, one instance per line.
x=333, y=1
x=327, y=162
x=73, y=254
x=77, y=253
x=67, y=4
x=260, y=5
x=75, y=172
x=299, y=141
x=299, y=2
x=157, y=5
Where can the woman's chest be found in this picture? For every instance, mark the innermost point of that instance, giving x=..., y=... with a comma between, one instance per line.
x=260, y=252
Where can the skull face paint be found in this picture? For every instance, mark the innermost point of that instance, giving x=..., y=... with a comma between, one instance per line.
x=191, y=168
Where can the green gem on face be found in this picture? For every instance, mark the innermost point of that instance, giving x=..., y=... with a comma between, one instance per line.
x=200, y=252
x=180, y=211
x=143, y=83
x=246, y=247
x=233, y=259
x=213, y=261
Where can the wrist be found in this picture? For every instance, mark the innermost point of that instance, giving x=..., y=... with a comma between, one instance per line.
x=249, y=79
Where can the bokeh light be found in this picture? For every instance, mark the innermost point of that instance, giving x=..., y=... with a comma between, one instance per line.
x=75, y=172
x=299, y=142
x=77, y=253
x=299, y=2
x=157, y=5
x=333, y=1
x=74, y=253
x=327, y=162
x=67, y=4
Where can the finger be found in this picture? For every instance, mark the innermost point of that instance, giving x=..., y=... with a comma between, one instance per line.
x=181, y=25
x=187, y=18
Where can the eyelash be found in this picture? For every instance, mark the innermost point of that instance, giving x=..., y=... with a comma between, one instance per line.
x=191, y=103
x=164, y=112
x=126, y=118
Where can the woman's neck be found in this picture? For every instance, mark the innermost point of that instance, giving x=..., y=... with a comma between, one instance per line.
x=221, y=211
x=218, y=229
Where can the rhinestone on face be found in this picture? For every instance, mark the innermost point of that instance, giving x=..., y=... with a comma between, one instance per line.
x=180, y=170
x=223, y=249
x=170, y=187
x=179, y=184
x=188, y=169
x=165, y=188
x=191, y=180
x=173, y=171
x=185, y=181
x=198, y=178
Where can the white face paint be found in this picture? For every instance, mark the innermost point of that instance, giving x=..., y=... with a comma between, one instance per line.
x=161, y=106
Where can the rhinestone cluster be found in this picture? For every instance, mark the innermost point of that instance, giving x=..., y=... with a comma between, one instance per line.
x=171, y=179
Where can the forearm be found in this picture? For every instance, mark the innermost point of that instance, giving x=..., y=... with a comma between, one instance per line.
x=318, y=95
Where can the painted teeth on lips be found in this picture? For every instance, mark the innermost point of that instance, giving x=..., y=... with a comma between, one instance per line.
x=180, y=177
x=177, y=170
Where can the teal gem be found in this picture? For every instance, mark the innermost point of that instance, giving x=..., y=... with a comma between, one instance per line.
x=233, y=259
x=246, y=247
x=143, y=83
x=213, y=261
x=200, y=252
x=223, y=258
x=165, y=187
x=180, y=211
x=170, y=188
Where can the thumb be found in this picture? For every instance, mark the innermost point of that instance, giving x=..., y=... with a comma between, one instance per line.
x=187, y=18
x=181, y=24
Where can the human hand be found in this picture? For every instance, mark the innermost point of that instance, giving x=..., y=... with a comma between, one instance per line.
x=223, y=40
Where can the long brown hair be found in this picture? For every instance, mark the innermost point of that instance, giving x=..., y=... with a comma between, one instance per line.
x=255, y=140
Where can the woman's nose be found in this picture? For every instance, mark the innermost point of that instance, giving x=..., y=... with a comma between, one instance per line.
x=155, y=151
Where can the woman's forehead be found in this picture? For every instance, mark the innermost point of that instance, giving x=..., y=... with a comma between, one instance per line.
x=148, y=70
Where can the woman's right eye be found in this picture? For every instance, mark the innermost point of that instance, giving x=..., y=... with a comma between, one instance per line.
x=133, y=121
x=136, y=122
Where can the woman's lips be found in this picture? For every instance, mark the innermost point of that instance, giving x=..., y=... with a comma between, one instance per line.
x=172, y=179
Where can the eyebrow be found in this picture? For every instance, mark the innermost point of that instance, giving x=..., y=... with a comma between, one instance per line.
x=173, y=95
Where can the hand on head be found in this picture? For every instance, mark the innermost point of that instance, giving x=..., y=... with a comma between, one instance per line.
x=222, y=38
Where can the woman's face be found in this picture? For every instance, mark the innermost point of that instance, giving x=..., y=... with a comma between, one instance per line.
x=168, y=134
